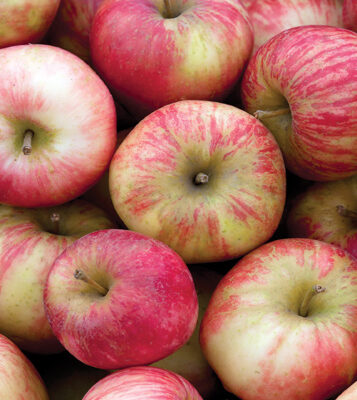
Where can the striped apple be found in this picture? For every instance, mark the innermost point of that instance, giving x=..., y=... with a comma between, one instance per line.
x=302, y=85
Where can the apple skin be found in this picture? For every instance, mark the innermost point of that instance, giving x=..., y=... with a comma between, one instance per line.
x=149, y=311
x=350, y=14
x=200, y=54
x=19, y=378
x=146, y=383
x=25, y=21
x=313, y=213
x=309, y=72
x=349, y=394
x=71, y=27
x=259, y=341
x=288, y=14
x=72, y=114
x=152, y=173
x=29, y=244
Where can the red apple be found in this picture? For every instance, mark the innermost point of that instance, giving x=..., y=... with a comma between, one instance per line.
x=350, y=14
x=133, y=301
x=144, y=383
x=326, y=211
x=25, y=21
x=206, y=178
x=301, y=84
x=57, y=126
x=153, y=53
x=282, y=323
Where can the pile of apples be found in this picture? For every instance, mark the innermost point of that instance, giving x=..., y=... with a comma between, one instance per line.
x=178, y=199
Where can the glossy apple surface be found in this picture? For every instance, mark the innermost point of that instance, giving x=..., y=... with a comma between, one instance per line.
x=61, y=102
x=151, y=55
x=145, y=383
x=301, y=84
x=282, y=323
x=30, y=241
x=19, y=379
x=206, y=178
x=350, y=14
x=326, y=211
x=147, y=311
x=25, y=21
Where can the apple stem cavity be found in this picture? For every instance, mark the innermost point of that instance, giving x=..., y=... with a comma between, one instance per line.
x=27, y=143
x=304, y=307
x=79, y=274
x=201, y=178
x=345, y=212
x=55, y=219
x=263, y=114
x=169, y=12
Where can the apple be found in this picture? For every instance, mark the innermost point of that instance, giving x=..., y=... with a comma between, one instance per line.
x=282, y=323
x=116, y=298
x=301, y=85
x=326, y=211
x=145, y=383
x=349, y=394
x=350, y=14
x=288, y=14
x=19, y=378
x=30, y=241
x=204, y=177
x=153, y=53
x=25, y=21
x=71, y=27
x=57, y=126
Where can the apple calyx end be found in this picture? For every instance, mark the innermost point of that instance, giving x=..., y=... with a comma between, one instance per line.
x=27, y=143
x=80, y=275
x=201, y=178
x=304, y=307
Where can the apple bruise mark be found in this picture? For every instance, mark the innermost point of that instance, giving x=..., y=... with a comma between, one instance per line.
x=304, y=307
x=345, y=212
x=263, y=114
x=27, y=143
x=79, y=274
x=201, y=178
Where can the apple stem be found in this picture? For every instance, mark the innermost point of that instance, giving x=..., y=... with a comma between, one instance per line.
x=27, y=147
x=261, y=114
x=304, y=307
x=201, y=178
x=79, y=274
x=345, y=212
x=55, y=219
x=168, y=9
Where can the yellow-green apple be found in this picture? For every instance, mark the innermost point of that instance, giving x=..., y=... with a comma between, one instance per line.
x=288, y=14
x=57, y=126
x=301, y=84
x=151, y=53
x=189, y=361
x=25, y=21
x=19, y=378
x=326, y=211
x=71, y=27
x=116, y=298
x=144, y=383
x=30, y=241
x=350, y=14
x=282, y=323
x=204, y=177
x=349, y=394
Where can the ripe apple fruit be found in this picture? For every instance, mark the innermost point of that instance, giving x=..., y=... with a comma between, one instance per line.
x=116, y=298
x=301, y=84
x=144, y=383
x=153, y=53
x=30, y=241
x=282, y=323
x=57, y=126
x=349, y=394
x=19, y=378
x=350, y=14
x=25, y=21
x=288, y=14
x=326, y=211
x=204, y=177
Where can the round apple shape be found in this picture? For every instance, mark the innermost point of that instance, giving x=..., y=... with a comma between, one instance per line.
x=71, y=27
x=282, y=323
x=301, y=85
x=25, y=21
x=57, y=126
x=30, y=241
x=350, y=14
x=116, y=298
x=288, y=14
x=326, y=211
x=145, y=383
x=154, y=53
x=206, y=178
x=349, y=394
x=19, y=378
